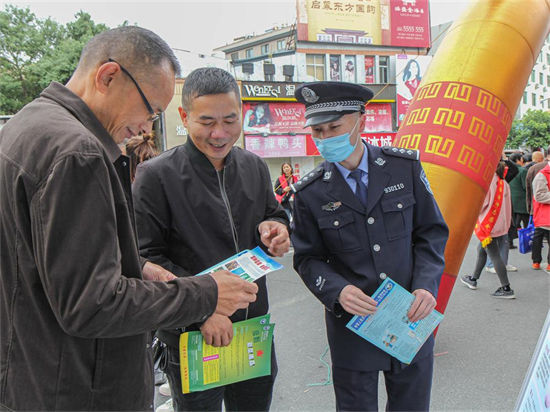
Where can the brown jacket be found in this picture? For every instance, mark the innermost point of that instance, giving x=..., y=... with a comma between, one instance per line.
x=75, y=314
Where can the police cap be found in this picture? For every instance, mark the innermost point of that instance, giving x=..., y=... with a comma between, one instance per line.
x=328, y=101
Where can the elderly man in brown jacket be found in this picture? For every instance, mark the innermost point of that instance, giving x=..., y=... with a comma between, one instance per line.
x=77, y=304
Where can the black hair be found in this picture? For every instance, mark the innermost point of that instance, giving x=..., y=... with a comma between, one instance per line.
x=528, y=157
x=206, y=81
x=291, y=168
x=514, y=157
x=407, y=71
x=137, y=49
x=501, y=167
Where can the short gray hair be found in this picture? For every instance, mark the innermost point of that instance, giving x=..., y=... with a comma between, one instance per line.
x=206, y=81
x=136, y=48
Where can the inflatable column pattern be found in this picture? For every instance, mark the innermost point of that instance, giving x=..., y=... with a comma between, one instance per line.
x=461, y=114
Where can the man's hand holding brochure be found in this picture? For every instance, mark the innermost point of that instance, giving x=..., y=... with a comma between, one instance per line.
x=207, y=360
x=389, y=328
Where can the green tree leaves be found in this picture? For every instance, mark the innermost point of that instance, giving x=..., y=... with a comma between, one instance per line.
x=35, y=52
x=532, y=131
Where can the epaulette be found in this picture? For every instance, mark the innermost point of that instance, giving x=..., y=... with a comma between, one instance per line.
x=307, y=179
x=400, y=152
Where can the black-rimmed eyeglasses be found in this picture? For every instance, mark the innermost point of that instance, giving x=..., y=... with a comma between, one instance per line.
x=154, y=116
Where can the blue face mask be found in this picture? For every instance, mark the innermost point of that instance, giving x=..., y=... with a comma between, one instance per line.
x=338, y=148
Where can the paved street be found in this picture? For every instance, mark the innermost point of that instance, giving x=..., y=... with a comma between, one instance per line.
x=483, y=346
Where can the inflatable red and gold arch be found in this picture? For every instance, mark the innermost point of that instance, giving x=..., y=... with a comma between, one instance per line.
x=460, y=116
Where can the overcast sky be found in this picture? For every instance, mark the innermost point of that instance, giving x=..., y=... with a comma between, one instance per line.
x=199, y=26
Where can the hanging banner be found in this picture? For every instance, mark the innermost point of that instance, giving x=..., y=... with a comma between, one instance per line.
x=410, y=70
x=378, y=117
x=369, y=69
x=404, y=23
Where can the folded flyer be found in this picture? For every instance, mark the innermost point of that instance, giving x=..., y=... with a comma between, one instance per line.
x=249, y=265
x=389, y=328
x=248, y=356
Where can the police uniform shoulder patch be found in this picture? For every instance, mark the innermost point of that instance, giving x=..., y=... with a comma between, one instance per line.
x=309, y=178
x=401, y=152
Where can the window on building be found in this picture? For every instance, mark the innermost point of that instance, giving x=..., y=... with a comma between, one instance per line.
x=315, y=66
x=541, y=79
x=383, y=69
x=547, y=58
x=533, y=76
x=524, y=97
x=548, y=80
x=265, y=48
x=281, y=45
x=348, y=69
x=249, y=53
x=235, y=56
x=533, y=99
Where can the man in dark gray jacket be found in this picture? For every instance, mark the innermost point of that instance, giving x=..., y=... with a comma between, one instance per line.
x=201, y=203
x=76, y=301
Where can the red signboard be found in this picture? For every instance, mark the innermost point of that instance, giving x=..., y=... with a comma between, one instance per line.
x=276, y=146
x=410, y=23
x=273, y=118
x=375, y=139
x=284, y=118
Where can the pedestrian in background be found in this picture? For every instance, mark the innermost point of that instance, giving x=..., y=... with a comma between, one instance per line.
x=541, y=216
x=492, y=232
x=283, y=190
x=539, y=163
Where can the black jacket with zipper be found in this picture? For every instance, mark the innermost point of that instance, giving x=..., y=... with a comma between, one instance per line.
x=190, y=216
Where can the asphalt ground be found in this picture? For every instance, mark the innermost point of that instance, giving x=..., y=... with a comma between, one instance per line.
x=483, y=347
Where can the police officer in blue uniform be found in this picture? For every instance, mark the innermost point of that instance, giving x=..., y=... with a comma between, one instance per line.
x=364, y=214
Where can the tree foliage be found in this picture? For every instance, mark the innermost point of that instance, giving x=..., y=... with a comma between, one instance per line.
x=532, y=131
x=35, y=52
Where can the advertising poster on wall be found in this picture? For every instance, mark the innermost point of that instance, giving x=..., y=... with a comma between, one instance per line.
x=335, y=67
x=369, y=69
x=273, y=118
x=403, y=23
x=410, y=70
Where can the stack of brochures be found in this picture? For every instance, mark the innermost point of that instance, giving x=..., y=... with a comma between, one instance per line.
x=389, y=328
x=247, y=356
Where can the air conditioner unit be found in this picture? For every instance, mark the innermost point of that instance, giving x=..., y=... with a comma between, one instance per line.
x=269, y=68
x=288, y=70
x=248, y=68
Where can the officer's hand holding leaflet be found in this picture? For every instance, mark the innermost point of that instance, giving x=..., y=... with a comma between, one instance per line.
x=422, y=306
x=354, y=301
x=233, y=292
x=274, y=236
x=217, y=330
x=152, y=271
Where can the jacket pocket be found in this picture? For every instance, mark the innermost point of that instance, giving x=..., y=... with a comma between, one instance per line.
x=398, y=215
x=339, y=232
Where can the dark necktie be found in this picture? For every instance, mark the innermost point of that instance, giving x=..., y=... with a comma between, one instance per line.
x=360, y=188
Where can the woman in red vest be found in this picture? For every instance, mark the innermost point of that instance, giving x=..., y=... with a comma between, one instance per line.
x=541, y=216
x=282, y=188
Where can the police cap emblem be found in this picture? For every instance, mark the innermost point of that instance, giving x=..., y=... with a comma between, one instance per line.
x=309, y=95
